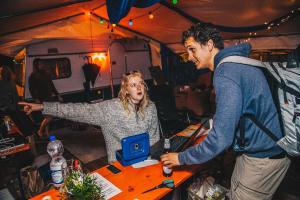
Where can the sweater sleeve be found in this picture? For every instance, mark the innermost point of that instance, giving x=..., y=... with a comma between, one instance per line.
x=80, y=112
x=154, y=130
x=220, y=137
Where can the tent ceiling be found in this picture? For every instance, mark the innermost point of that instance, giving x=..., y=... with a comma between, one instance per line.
x=27, y=21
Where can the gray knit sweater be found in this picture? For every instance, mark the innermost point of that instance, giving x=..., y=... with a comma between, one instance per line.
x=115, y=122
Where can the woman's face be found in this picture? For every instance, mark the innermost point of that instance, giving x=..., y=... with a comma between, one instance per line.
x=136, y=89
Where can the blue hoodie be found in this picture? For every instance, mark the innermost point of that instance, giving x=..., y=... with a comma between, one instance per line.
x=239, y=89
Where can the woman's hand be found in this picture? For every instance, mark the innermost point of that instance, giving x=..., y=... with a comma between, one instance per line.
x=30, y=107
x=170, y=160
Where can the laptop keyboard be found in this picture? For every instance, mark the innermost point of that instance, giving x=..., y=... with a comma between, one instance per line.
x=8, y=143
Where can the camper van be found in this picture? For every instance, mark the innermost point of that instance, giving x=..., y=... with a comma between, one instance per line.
x=77, y=65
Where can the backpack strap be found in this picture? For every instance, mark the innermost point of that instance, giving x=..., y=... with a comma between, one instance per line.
x=251, y=62
x=257, y=123
x=269, y=66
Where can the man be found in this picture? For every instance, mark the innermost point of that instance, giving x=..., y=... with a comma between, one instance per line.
x=239, y=89
x=42, y=89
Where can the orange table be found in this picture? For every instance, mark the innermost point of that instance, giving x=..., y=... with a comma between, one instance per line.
x=133, y=181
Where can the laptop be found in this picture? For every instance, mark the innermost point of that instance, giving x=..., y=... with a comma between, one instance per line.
x=11, y=142
x=178, y=142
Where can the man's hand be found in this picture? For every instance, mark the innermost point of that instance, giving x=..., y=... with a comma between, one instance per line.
x=30, y=107
x=170, y=160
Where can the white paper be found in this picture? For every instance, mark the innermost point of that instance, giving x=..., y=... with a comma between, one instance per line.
x=145, y=163
x=108, y=189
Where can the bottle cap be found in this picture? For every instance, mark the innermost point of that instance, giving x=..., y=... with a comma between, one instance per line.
x=52, y=138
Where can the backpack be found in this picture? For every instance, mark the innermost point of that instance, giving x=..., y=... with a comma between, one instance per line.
x=286, y=98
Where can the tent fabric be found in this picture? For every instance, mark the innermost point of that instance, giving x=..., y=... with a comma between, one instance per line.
x=117, y=9
x=264, y=43
x=37, y=24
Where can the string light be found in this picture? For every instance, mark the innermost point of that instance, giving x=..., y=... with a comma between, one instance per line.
x=174, y=2
x=101, y=21
x=114, y=25
x=130, y=22
x=151, y=16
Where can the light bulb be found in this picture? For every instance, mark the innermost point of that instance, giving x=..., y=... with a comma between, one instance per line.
x=130, y=22
x=151, y=16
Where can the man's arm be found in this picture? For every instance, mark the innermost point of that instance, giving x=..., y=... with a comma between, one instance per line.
x=220, y=137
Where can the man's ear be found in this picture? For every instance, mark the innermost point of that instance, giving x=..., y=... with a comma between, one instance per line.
x=210, y=44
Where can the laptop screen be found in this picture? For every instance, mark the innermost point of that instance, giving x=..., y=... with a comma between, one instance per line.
x=179, y=142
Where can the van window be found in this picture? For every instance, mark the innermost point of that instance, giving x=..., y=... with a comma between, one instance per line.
x=58, y=68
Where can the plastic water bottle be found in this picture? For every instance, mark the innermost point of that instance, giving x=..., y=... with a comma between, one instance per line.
x=58, y=164
x=54, y=147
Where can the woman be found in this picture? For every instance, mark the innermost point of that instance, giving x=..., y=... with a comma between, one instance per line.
x=130, y=114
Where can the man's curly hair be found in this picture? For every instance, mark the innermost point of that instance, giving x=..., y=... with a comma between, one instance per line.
x=202, y=32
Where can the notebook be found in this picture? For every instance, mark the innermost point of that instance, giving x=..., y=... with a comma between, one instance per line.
x=177, y=142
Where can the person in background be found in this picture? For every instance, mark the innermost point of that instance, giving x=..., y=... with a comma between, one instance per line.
x=9, y=107
x=8, y=91
x=239, y=89
x=130, y=114
x=42, y=89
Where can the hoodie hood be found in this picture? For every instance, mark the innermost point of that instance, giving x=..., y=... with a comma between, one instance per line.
x=236, y=50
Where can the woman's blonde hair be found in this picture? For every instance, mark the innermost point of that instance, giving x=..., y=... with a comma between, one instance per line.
x=124, y=96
